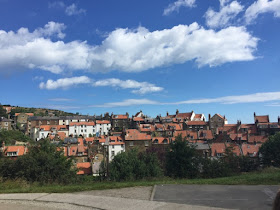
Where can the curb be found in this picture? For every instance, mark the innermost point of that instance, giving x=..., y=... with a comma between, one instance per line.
x=153, y=193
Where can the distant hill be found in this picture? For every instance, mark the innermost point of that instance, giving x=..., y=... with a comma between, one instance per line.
x=39, y=111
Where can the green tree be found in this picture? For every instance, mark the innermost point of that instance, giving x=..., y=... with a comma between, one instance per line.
x=270, y=151
x=2, y=111
x=11, y=136
x=43, y=163
x=182, y=160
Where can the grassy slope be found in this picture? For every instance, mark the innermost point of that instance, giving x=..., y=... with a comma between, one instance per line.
x=270, y=177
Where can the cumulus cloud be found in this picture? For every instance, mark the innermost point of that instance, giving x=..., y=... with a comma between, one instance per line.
x=128, y=102
x=177, y=4
x=140, y=87
x=64, y=83
x=124, y=49
x=73, y=10
x=226, y=14
x=262, y=6
x=251, y=98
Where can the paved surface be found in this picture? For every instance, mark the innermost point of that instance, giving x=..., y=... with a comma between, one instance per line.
x=14, y=201
x=139, y=193
x=222, y=196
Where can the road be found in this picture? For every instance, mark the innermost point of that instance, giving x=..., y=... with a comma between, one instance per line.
x=222, y=196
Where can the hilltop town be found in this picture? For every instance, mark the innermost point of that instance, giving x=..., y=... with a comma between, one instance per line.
x=92, y=139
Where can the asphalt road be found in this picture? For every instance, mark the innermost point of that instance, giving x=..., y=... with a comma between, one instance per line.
x=222, y=196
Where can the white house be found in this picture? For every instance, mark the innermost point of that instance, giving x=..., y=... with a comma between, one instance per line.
x=116, y=146
x=103, y=127
x=82, y=129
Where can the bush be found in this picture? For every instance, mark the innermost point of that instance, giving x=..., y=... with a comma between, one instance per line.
x=132, y=165
x=182, y=160
x=270, y=151
x=213, y=168
x=43, y=163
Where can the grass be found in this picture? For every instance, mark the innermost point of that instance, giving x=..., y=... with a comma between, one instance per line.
x=265, y=177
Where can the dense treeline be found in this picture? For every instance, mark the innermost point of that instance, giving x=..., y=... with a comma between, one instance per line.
x=43, y=163
x=181, y=160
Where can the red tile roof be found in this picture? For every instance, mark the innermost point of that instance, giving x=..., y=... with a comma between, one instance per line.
x=19, y=149
x=147, y=128
x=196, y=123
x=138, y=119
x=218, y=148
x=103, y=122
x=133, y=134
x=84, y=168
x=82, y=123
x=50, y=127
x=184, y=115
x=120, y=117
x=160, y=140
x=262, y=119
x=249, y=149
x=198, y=116
x=257, y=139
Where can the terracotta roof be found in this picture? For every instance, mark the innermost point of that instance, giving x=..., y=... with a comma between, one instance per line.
x=49, y=127
x=235, y=148
x=262, y=119
x=138, y=119
x=147, y=128
x=120, y=117
x=82, y=123
x=239, y=136
x=249, y=149
x=218, y=148
x=189, y=135
x=257, y=139
x=29, y=114
x=160, y=140
x=170, y=126
x=205, y=134
x=197, y=115
x=61, y=135
x=103, y=122
x=184, y=115
x=196, y=123
x=19, y=149
x=84, y=168
x=220, y=116
x=133, y=134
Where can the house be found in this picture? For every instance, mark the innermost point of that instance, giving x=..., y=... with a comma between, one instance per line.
x=120, y=122
x=250, y=150
x=14, y=151
x=22, y=120
x=5, y=124
x=82, y=129
x=49, y=131
x=103, y=127
x=135, y=139
x=216, y=121
x=116, y=146
x=195, y=125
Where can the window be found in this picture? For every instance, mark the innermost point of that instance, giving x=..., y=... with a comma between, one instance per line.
x=113, y=146
x=75, y=131
x=146, y=143
x=85, y=130
x=113, y=153
x=131, y=143
x=82, y=126
x=11, y=153
x=122, y=146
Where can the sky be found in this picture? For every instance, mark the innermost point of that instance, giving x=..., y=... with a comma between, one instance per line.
x=92, y=57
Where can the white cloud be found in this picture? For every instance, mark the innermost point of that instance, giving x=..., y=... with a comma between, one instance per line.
x=141, y=87
x=251, y=98
x=226, y=14
x=262, y=6
x=177, y=4
x=37, y=78
x=56, y=4
x=64, y=83
x=123, y=49
x=128, y=102
x=73, y=10
x=237, y=99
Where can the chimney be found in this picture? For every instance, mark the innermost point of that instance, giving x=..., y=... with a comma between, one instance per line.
x=177, y=111
x=209, y=117
x=254, y=114
x=167, y=114
x=278, y=120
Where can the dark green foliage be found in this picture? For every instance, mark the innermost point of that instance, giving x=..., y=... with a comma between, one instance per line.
x=43, y=163
x=270, y=151
x=2, y=111
x=182, y=160
x=11, y=136
x=132, y=165
x=213, y=168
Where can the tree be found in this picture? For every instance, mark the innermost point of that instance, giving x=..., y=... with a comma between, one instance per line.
x=270, y=151
x=2, y=111
x=11, y=136
x=182, y=160
x=43, y=163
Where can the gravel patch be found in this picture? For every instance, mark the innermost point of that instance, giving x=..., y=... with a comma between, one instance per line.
x=140, y=193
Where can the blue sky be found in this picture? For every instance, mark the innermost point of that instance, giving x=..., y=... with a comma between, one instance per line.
x=121, y=56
